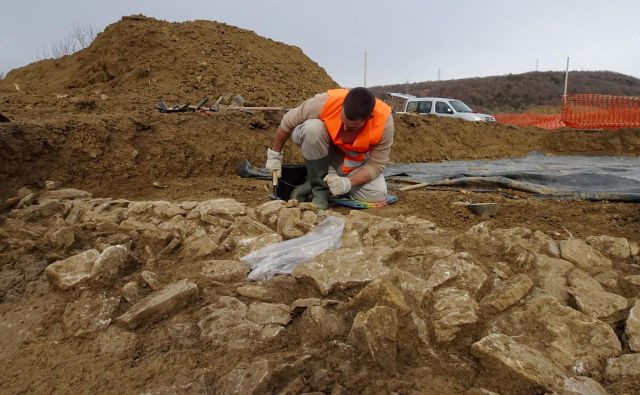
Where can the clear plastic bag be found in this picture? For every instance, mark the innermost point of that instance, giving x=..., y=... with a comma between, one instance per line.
x=283, y=257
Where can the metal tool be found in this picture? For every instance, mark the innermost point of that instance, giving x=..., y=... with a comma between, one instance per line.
x=275, y=185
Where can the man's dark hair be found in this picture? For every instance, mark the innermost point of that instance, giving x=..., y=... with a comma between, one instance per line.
x=358, y=104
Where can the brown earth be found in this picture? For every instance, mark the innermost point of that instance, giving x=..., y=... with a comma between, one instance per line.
x=117, y=146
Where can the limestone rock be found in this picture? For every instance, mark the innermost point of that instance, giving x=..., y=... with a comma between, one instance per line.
x=617, y=247
x=226, y=209
x=300, y=305
x=225, y=323
x=413, y=287
x=532, y=370
x=269, y=313
x=574, y=340
x=259, y=292
x=624, y=367
x=152, y=280
x=159, y=304
x=344, y=268
x=250, y=379
x=458, y=271
x=584, y=256
x=510, y=293
x=288, y=219
x=224, y=271
x=319, y=325
x=632, y=328
x=64, y=194
x=245, y=245
x=62, y=238
x=111, y=264
x=201, y=245
x=381, y=292
x=583, y=386
x=374, y=333
x=267, y=213
x=73, y=271
x=89, y=314
x=453, y=308
x=131, y=292
x=593, y=300
x=552, y=276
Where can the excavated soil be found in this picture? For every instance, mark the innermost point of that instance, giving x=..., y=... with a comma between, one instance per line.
x=88, y=121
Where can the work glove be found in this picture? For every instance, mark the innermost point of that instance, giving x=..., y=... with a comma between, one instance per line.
x=338, y=185
x=274, y=162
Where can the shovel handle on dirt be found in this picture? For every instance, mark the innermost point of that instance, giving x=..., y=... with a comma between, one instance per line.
x=415, y=186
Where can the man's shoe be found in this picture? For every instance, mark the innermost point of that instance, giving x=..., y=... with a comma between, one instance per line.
x=316, y=172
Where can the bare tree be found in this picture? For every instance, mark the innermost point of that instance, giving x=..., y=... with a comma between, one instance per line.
x=79, y=37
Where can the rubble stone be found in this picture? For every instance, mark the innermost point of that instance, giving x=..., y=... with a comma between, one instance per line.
x=583, y=386
x=300, y=305
x=510, y=293
x=632, y=328
x=73, y=271
x=89, y=314
x=453, y=308
x=258, y=292
x=131, y=292
x=224, y=271
x=374, y=333
x=381, y=292
x=593, y=300
x=624, y=367
x=267, y=213
x=584, y=256
x=201, y=245
x=64, y=194
x=501, y=353
x=560, y=325
x=344, y=268
x=552, y=276
x=617, y=247
x=226, y=323
x=288, y=219
x=269, y=313
x=224, y=208
x=250, y=379
x=152, y=280
x=247, y=245
x=159, y=304
x=62, y=238
x=320, y=325
x=111, y=264
x=413, y=287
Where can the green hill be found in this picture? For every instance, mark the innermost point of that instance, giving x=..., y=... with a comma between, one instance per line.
x=520, y=92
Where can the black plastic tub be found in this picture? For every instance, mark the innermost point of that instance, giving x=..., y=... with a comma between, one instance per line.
x=292, y=176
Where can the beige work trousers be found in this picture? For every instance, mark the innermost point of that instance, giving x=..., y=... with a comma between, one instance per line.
x=314, y=140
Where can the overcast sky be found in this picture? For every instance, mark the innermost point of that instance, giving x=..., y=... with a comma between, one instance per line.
x=405, y=40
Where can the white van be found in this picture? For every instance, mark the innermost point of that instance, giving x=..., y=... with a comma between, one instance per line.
x=440, y=106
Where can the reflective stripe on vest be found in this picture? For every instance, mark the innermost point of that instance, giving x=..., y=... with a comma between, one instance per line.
x=356, y=153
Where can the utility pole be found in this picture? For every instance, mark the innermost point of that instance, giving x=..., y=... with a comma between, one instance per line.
x=365, y=69
x=536, y=65
x=438, y=73
x=566, y=78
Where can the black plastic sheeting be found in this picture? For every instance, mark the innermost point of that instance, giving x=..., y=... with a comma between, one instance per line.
x=545, y=176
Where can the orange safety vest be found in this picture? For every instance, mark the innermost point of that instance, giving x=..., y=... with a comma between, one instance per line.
x=356, y=154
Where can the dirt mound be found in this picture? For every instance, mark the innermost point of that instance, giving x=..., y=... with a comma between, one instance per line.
x=158, y=59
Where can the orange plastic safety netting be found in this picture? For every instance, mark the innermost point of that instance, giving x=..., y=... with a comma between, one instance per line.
x=544, y=121
x=601, y=111
x=584, y=111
